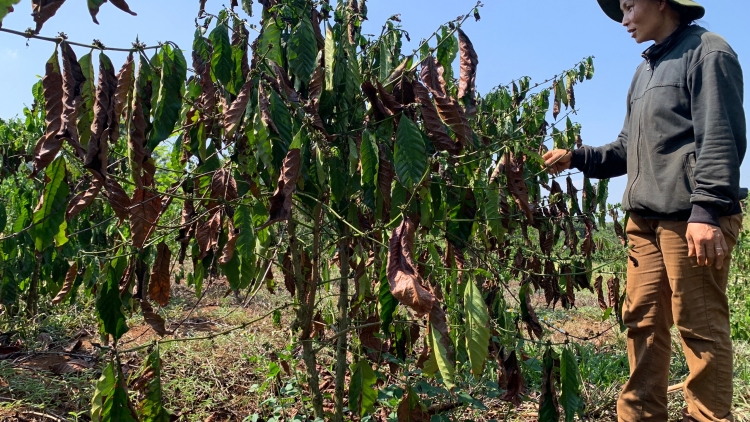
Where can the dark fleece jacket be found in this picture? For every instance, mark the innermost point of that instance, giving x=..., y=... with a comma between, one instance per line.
x=684, y=136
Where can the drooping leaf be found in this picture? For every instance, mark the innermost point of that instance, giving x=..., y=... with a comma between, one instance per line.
x=153, y=319
x=517, y=184
x=166, y=111
x=406, y=284
x=85, y=113
x=510, y=378
x=528, y=315
x=570, y=397
x=207, y=234
x=221, y=59
x=369, y=157
x=362, y=394
x=410, y=156
x=548, y=408
x=50, y=212
x=236, y=111
x=70, y=279
x=159, y=286
x=125, y=80
x=441, y=346
x=269, y=42
x=43, y=10
x=441, y=141
x=477, y=328
x=108, y=302
x=117, y=197
x=97, y=155
x=73, y=82
x=50, y=143
x=144, y=213
x=281, y=201
x=151, y=408
x=468, y=76
x=302, y=49
x=600, y=293
x=411, y=408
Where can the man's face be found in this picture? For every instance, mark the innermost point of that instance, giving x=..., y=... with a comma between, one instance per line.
x=643, y=18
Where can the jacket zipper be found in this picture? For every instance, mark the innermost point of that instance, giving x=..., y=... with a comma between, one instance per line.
x=650, y=70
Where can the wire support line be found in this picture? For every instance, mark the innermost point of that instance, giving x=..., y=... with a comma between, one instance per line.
x=96, y=45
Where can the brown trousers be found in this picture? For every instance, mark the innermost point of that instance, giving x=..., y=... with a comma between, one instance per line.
x=667, y=287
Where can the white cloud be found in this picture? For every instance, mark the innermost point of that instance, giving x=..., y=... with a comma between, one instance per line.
x=10, y=54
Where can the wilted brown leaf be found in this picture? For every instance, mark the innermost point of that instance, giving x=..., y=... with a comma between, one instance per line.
x=153, y=319
x=288, y=269
x=117, y=198
x=436, y=132
x=368, y=339
x=160, y=282
x=137, y=141
x=50, y=143
x=265, y=109
x=224, y=186
x=144, y=213
x=233, y=115
x=548, y=382
x=97, y=154
x=454, y=116
x=125, y=80
x=207, y=234
x=588, y=247
x=69, y=367
x=389, y=101
x=406, y=284
x=555, y=109
x=411, y=409
x=73, y=79
x=386, y=174
x=510, y=378
x=432, y=76
x=281, y=201
x=517, y=185
x=533, y=326
x=468, y=72
x=613, y=287
x=379, y=109
x=42, y=10
x=228, y=252
x=67, y=286
x=552, y=293
x=600, y=293
x=82, y=200
x=571, y=95
x=569, y=300
x=120, y=4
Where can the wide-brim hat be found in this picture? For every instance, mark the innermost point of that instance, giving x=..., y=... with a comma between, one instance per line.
x=690, y=9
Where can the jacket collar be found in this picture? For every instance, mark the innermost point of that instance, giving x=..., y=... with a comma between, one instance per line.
x=657, y=51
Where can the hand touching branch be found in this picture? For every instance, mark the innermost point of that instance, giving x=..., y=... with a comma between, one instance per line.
x=557, y=160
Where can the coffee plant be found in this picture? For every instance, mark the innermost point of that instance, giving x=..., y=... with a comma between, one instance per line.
x=317, y=156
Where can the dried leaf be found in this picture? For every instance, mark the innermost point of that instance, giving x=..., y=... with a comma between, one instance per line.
x=389, y=101
x=432, y=76
x=144, y=213
x=69, y=367
x=49, y=144
x=117, y=198
x=406, y=284
x=288, y=268
x=379, y=109
x=73, y=80
x=411, y=409
x=600, y=293
x=153, y=319
x=233, y=115
x=436, y=132
x=228, y=252
x=67, y=286
x=42, y=10
x=281, y=201
x=468, y=72
x=532, y=321
x=81, y=201
x=613, y=287
x=207, y=234
x=265, y=109
x=454, y=116
x=517, y=185
x=386, y=174
x=120, y=4
x=510, y=378
x=223, y=185
x=588, y=247
x=97, y=154
x=160, y=283
x=286, y=89
x=137, y=141
x=125, y=80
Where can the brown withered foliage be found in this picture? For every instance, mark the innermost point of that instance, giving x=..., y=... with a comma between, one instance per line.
x=160, y=282
x=388, y=100
x=386, y=174
x=613, y=287
x=137, y=142
x=533, y=326
x=70, y=278
x=517, y=185
x=548, y=381
x=73, y=79
x=618, y=228
x=223, y=186
x=43, y=10
x=144, y=213
x=600, y=293
x=468, y=72
x=379, y=110
x=117, y=197
x=555, y=109
x=285, y=87
x=281, y=201
x=571, y=96
x=153, y=319
x=125, y=80
x=234, y=113
x=406, y=284
x=207, y=234
x=265, y=109
x=83, y=199
x=120, y=4
x=588, y=247
x=431, y=75
x=510, y=377
x=436, y=132
x=552, y=293
x=227, y=253
x=97, y=154
x=412, y=412
x=288, y=268
x=49, y=144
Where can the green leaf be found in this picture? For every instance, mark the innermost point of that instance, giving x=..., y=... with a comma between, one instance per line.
x=247, y=6
x=259, y=136
x=492, y=212
x=447, y=52
x=589, y=196
x=221, y=59
x=328, y=97
x=9, y=289
x=369, y=161
x=201, y=48
x=362, y=395
x=477, y=328
x=602, y=192
x=246, y=241
x=50, y=213
x=442, y=356
x=269, y=43
x=302, y=49
x=116, y=408
x=387, y=303
x=3, y=217
x=410, y=156
x=105, y=387
x=283, y=121
x=5, y=7
x=108, y=302
x=570, y=399
x=169, y=100
x=152, y=407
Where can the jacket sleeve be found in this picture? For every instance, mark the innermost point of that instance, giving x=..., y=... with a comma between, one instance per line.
x=608, y=160
x=716, y=90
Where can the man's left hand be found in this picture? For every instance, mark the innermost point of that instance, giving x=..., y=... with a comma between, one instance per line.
x=707, y=244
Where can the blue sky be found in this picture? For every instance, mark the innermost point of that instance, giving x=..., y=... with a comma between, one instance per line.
x=536, y=38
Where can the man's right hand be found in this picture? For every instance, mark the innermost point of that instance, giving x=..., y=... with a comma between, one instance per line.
x=557, y=160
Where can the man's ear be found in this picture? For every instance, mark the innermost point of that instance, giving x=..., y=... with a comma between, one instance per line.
x=663, y=5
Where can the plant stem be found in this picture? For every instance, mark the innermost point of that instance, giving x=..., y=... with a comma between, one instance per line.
x=33, y=297
x=343, y=324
